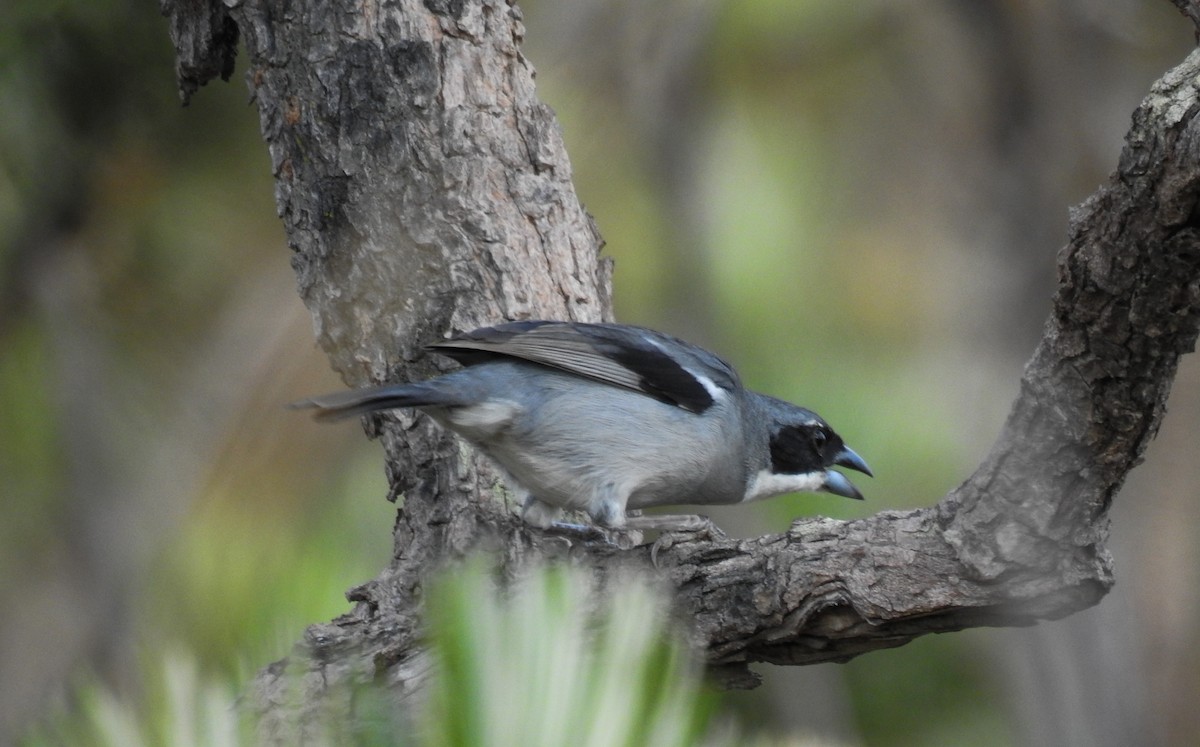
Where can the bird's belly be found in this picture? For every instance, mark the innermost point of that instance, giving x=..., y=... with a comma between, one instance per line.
x=550, y=480
x=578, y=444
x=637, y=472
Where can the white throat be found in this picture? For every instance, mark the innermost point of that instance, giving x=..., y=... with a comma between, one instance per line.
x=767, y=483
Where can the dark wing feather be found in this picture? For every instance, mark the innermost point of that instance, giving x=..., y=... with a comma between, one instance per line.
x=657, y=365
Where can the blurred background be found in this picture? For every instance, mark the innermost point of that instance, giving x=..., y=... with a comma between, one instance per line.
x=857, y=203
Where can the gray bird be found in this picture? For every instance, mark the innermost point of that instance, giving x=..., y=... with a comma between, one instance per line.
x=611, y=418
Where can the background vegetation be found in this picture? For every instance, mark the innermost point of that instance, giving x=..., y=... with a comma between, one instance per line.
x=857, y=203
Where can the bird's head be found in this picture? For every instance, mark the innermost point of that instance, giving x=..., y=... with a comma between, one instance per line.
x=802, y=452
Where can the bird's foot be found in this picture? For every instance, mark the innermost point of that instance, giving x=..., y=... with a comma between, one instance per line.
x=622, y=538
x=683, y=528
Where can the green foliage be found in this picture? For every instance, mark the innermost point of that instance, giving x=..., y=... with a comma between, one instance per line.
x=243, y=577
x=181, y=709
x=32, y=476
x=946, y=676
x=548, y=665
x=548, y=662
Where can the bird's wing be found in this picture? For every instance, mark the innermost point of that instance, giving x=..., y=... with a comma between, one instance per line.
x=657, y=365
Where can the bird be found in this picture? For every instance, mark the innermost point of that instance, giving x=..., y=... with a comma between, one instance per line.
x=609, y=419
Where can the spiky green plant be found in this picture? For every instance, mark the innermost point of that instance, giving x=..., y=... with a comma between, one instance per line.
x=181, y=709
x=545, y=662
x=547, y=665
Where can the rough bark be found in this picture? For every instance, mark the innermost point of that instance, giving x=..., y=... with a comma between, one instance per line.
x=423, y=188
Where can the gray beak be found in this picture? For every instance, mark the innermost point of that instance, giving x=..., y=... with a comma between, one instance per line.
x=839, y=484
x=847, y=458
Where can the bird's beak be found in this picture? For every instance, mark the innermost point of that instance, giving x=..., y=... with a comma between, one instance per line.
x=839, y=484
x=847, y=458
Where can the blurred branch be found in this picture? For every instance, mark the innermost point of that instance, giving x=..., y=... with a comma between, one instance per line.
x=1191, y=9
x=424, y=187
x=205, y=39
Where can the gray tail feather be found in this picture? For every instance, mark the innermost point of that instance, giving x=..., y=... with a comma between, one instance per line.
x=342, y=405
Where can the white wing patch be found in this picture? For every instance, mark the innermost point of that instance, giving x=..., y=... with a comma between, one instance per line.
x=717, y=393
x=767, y=484
x=714, y=391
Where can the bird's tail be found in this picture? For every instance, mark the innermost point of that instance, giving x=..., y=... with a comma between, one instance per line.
x=341, y=405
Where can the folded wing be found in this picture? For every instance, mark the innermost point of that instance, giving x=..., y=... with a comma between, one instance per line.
x=642, y=360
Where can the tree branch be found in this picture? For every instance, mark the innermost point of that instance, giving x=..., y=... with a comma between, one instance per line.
x=1023, y=538
x=423, y=187
x=205, y=39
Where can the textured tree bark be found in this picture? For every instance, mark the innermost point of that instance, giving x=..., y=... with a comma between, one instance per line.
x=424, y=188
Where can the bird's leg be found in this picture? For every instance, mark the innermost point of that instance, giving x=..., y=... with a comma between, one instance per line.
x=539, y=513
x=549, y=517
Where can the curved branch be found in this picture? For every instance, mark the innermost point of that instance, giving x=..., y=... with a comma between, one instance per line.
x=1023, y=538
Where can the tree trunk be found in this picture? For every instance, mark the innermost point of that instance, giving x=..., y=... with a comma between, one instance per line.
x=424, y=188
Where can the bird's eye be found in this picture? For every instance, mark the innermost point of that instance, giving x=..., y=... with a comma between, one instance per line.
x=819, y=438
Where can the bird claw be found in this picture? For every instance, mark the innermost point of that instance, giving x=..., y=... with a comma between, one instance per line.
x=700, y=529
x=622, y=539
x=673, y=528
